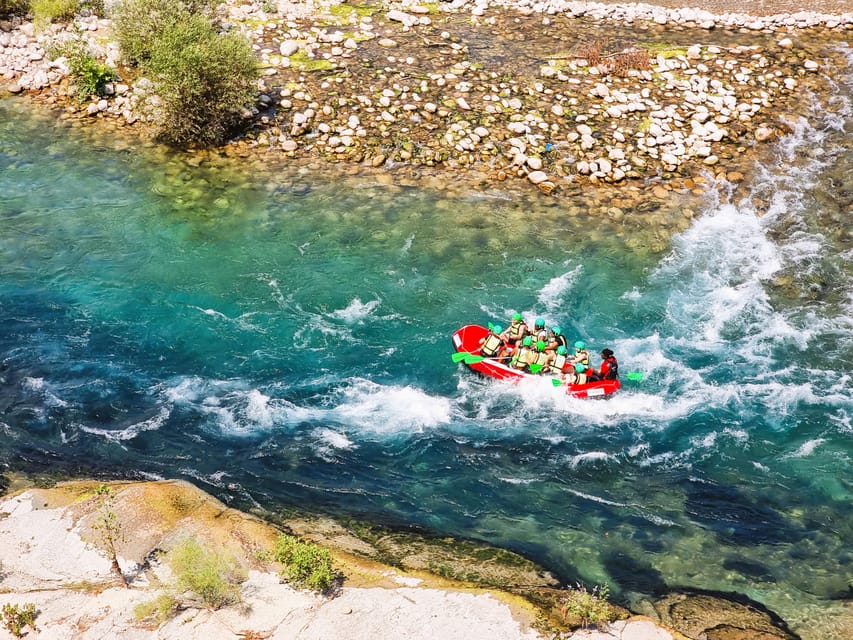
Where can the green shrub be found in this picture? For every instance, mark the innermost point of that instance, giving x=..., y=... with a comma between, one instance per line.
x=160, y=610
x=47, y=11
x=305, y=564
x=137, y=24
x=91, y=77
x=15, y=618
x=582, y=607
x=205, y=81
x=213, y=577
x=13, y=7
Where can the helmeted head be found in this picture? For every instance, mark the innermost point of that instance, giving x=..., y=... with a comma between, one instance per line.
x=540, y=323
x=516, y=317
x=540, y=345
x=528, y=341
x=580, y=345
x=497, y=329
x=556, y=331
x=606, y=353
x=580, y=368
x=561, y=350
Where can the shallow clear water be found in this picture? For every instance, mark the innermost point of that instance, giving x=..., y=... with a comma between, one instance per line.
x=283, y=338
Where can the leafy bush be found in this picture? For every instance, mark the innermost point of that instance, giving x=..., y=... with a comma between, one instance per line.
x=15, y=618
x=46, y=11
x=305, y=564
x=11, y=7
x=90, y=76
x=160, y=610
x=584, y=607
x=137, y=24
x=214, y=577
x=205, y=80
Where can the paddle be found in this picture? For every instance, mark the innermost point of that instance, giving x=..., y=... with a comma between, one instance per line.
x=636, y=376
x=459, y=356
x=535, y=368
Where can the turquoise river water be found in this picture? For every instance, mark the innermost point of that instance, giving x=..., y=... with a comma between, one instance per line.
x=283, y=339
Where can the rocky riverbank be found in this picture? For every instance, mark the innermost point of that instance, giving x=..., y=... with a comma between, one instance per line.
x=53, y=557
x=558, y=94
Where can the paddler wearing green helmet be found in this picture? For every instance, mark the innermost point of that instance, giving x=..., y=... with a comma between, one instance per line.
x=516, y=330
x=581, y=355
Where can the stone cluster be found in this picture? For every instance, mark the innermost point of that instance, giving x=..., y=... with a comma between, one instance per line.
x=402, y=83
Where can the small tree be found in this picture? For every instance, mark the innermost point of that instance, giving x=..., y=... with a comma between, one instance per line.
x=109, y=530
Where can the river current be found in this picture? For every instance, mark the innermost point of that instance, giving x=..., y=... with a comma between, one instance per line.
x=283, y=339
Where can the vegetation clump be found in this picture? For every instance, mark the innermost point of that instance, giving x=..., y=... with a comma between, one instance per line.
x=215, y=578
x=90, y=76
x=582, y=607
x=305, y=564
x=13, y=7
x=159, y=610
x=204, y=79
x=15, y=618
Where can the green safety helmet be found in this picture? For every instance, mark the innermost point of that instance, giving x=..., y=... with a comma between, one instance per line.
x=557, y=331
x=528, y=340
x=580, y=344
x=497, y=329
x=561, y=350
x=540, y=345
x=580, y=368
x=540, y=322
x=516, y=317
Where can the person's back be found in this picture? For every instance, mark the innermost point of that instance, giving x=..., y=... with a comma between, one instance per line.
x=522, y=357
x=581, y=355
x=558, y=364
x=556, y=339
x=491, y=345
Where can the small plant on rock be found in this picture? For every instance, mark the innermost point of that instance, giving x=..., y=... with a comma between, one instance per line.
x=582, y=607
x=159, y=610
x=15, y=618
x=213, y=577
x=305, y=564
x=90, y=76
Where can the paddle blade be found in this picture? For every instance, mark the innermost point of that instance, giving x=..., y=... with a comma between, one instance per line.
x=491, y=326
x=556, y=382
x=459, y=356
x=473, y=359
x=535, y=368
x=636, y=376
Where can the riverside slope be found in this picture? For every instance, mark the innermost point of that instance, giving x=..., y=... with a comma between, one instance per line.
x=46, y=560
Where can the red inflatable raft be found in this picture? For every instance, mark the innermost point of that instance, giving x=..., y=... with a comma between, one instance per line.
x=467, y=340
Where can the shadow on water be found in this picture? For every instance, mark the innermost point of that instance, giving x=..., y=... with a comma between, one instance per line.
x=736, y=518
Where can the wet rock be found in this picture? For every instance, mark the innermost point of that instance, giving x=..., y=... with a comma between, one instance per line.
x=710, y=616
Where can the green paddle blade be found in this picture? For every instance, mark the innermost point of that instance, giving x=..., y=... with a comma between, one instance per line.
x=556, y=382
x=636, y=376
x=491, y=326
x=535, y=368
x=473, y=359
x=459, y=356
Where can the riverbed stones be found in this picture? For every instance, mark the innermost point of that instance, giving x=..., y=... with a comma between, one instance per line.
x=410, y=92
